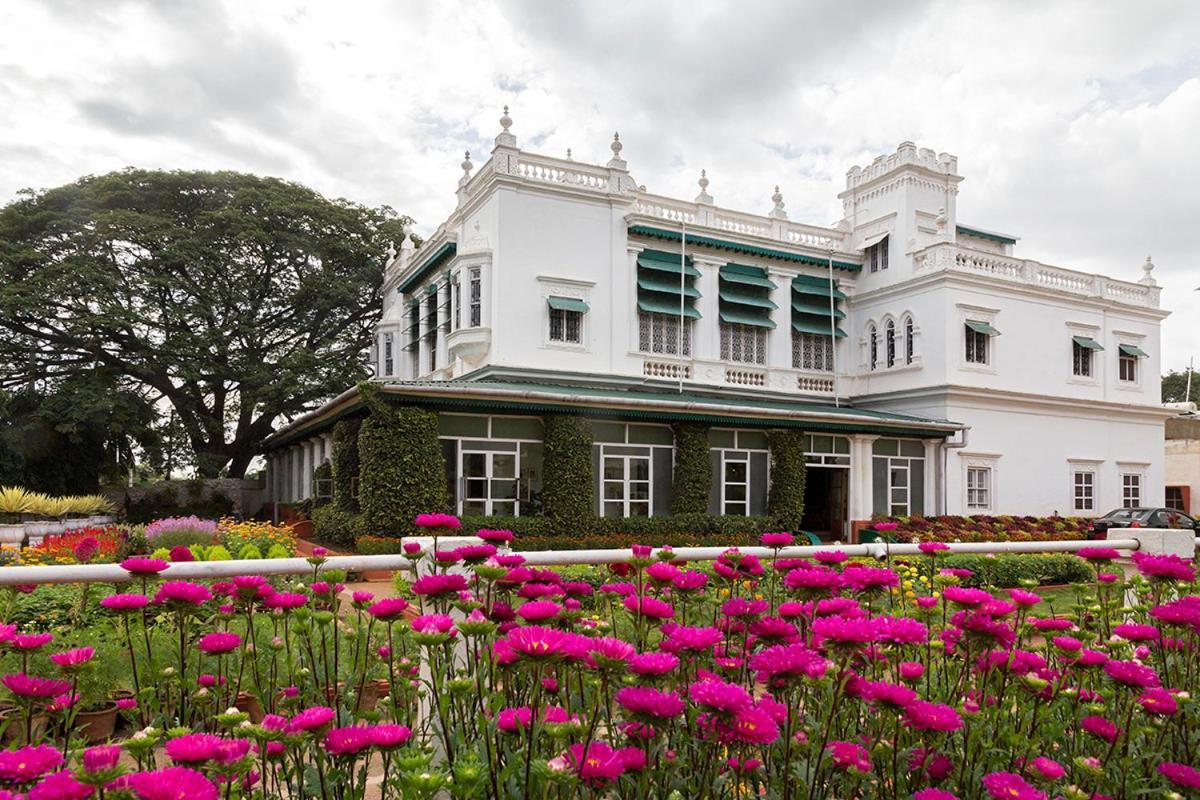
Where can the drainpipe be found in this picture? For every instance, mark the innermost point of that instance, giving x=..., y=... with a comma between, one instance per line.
x=943, y=466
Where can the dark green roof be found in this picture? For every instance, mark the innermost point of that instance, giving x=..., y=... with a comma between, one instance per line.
x=439, y=257
x=738, y=247
x=978, y=234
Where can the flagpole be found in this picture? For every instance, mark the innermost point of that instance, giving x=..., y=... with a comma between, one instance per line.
x=833, y=333
x=682, y=300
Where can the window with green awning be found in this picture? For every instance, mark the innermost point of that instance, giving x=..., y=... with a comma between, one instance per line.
x=746, y=318
x=814, y=285
x=653, y=283
x=744, y=296
x=815, y=306
x=567, y=304
x=982, y=327
x=1133, y=350
x=665, y=282
x=656, y=306
x=1086, y=343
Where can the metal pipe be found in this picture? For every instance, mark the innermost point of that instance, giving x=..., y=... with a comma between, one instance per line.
x=112, y=573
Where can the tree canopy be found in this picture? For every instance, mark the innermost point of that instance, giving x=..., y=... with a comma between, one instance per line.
x=239, y=300
x=1174, y=387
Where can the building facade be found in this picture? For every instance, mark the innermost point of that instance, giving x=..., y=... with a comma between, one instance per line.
x=933, y=370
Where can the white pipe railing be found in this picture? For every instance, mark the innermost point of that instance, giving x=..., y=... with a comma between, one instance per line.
x=112, y=573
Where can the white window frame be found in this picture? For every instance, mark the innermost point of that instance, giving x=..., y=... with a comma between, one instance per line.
x=389, y=351
x=1085, y=493
x=1132, y=484
x=460, y=489
x=971, y=354
x=812, y=352
x=907, y=463
x=1135, y=340
x=670, y=338
x=971, y=313
x=735, y=457
x=1132, y=361
x=475, y=296
x=978, y=480
x=626, y=481
x=877, y=255
x=1083, y=362
x=910, y=345
x=565, y=317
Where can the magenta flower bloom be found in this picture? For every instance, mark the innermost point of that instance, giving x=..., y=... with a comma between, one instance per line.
x=101, y=757
x=892, y=695
x=776, y=540
x=922, y=715
x=787, y=663
x=27, y=764
x=438, y=521
x=144, y=566
x=1181, y=775
x=933, y=793
x=1024, y=598
x=388, y=609
x=348, y=741
x=849, y=756
x=311, y=719
x=1100, y=727
x=537, y=643
x=125, y=603
x=649, y=607
x=965, y=596
x=73, y=659
x=31, y=641
x=718, y=696
x=1133, y=632
x=650, y=704
x=663, y=572
x=1181, y=613
x=34, y=687
x=539, y=610
x=194, y=748
x=286, y=601
x=830, y=556
x=845, y=631
x=171, y=783
x=813, y=582
x=390, y=736
x=1101, y=554
x=1158, y=701
x=1131, y=673
x=652, y=664
x=690, y=581
x=684, y=639
x=495, y=537
x=749, y=726
x=900, y=630
x=219, y=642
x=1164, y=567
x=599, y=766
x=1047, y=768
x=1046, y=624
x=60, y=786
x=911, y=671
x=439, y=585
x=610, y=651
x=434, y=624
x=182, y=594
x=932, y=548
x=1010, y=786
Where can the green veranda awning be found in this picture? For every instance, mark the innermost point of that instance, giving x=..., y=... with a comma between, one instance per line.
x=655, y=283
x=567, y=304
x=1133, y=350
x=814, y=325
x=665, y=262
x=982, y=327
x=1084, y=341
x=746, y=318
x=747, y=299
x=656, y=306
x=749, y=276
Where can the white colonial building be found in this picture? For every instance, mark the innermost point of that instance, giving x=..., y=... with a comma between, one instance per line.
x=935, y=371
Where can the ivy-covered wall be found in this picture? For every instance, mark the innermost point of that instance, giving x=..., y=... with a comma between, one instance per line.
x=692, y=479
x=568, y=483
x=344, y=464
x=785, y=502
x=400, y=468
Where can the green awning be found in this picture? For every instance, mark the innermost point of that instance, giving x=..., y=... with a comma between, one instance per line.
x=804, y=284
x=746, y=318
x=1083, y=341
x=750, y=276
x=814, y=325
x=807, y=304
x=982, y=327
x=1133, y=350
x=656, y=306
x=665, y=262
x=431, y=288
x=746, y=299
x=567, y=304
x=653, y=283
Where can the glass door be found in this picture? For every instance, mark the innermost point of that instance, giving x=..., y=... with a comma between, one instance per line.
x=489, y=484
x=626, y=486
x=899, y=488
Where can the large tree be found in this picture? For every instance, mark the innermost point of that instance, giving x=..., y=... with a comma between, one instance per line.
x=239, y=300
x=1175, y=387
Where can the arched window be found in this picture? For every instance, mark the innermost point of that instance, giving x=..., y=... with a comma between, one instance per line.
x=873, y=344
x=908, y=340
x=889, y=338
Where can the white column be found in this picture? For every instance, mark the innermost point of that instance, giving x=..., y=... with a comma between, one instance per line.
x=932, y=452
x=779, y=340
x=861, y=501
x=443, y=319
x=422, y=343
x=296, y=493
x=706, y=333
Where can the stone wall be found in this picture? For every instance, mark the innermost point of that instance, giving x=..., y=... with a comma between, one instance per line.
x=245, y=497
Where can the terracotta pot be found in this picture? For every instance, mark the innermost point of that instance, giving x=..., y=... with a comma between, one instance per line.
x=97, y=726
x=249, y=704
x=13, y=720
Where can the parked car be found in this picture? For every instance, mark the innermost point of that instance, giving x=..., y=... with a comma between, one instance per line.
x=1141, y=518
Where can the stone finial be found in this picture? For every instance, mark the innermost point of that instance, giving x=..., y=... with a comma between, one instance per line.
x=1148, y=277
x=616, y=162
x=704, y=196
x=391, y=251
x=467, y=166
x=407, y=243
x=569, y=155
x=504, y=138
x=777, y=212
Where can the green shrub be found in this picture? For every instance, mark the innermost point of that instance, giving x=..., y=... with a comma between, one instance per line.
x=161, y=553
x=249, y=552
x=187, y=538
x=323, y=472
x=218, y=553
x=378, y=545
x=178, y=499
x=335, y=526
x=278, y=551
x=692, y=479
x=402, y=473
x=785, y=501
x=344, y=464
x=568, y=490
x=1007, y=570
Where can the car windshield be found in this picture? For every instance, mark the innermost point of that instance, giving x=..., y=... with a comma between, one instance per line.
x=1120, y=515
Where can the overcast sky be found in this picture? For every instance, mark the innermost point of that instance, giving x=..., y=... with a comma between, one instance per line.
x=1077, y=125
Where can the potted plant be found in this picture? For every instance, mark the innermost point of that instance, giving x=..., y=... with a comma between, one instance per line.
x=56, y=509
x=95, y=716
x=14, y=502
x=39, y=508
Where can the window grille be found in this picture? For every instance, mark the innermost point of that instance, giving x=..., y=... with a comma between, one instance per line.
x=746, y=344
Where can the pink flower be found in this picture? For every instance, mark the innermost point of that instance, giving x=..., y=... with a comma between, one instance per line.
x=127, y=704
x=438, y=521
x=609, y=651
x=194, y=748
x=535, y=642
x=649, y=607
x=31, y=686
x=830, y=556
x=933, y=793
x=219, y=642
x=776, y=540
x=1181, y=775
x=684, y=639
x=27, y=764
x=1010, y=786
x=813, y=582
x=1133, y=632
x=922, y=715
x=144, y=566
x=690, y=581
x=1100, y=554
x=965, y=596
x=716, y=695
x=434, y=624
x=495, y=537
x=1131, y=673
x=348, y=741
x=1158, y=701
x=844, y=631
x=31, y=641
x=181, y=554
x=1164, y=567
x=741, y=607
x=73, y=659
x=932, y=548
x=599, y=766
x=749, y=726
x=538, y=610
x=849, y=756
x=1023, y=598
x=900, y=630
x=911, y=671
x=439, y=585
x=870, y=579
x=60, y=786
x=390, y=736
x=1101, y=727
x=787, y=663
x=650, y=704
x=286, y=601
x=311, y=719
x=652, y=664
x=886, y=527
x=124, y=603
x=182, y=594
x=892, y=695
x=388, y=609
x=1047, y=769
x=171, y=783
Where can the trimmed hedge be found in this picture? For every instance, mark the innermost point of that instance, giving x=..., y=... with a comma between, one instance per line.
x=649, y=530
x=568, y=482
x=401, y=468
x=378, y=545
x=344, y=464
x=785, y=501
x=334, y=526
x=692, y=479
x=1007, y=570
x=984, y=528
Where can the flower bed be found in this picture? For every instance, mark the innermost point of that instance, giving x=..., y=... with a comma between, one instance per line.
x=983, y=528
x=782, y=678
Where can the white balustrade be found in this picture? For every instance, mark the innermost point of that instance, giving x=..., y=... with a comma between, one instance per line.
x=745, y=377
x=667, y=369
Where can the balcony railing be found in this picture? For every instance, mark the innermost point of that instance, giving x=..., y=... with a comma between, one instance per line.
x=950, y=257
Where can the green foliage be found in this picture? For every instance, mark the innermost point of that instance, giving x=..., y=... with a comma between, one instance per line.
x=252, y=298
x=568, y=491
x=402, y=471
x=344, y=464
x=278, y=551
x=168, y=539
x=55, y=607
x=1174, y=387
x=323, y=472
x=249, y=552
x=177, y=499
x=1007, y=570
x=161, y=553
x=218, y=553
x=378, y=545
x=545, y=533
x=334, y=526
x=692, y=480
x=785, y=500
